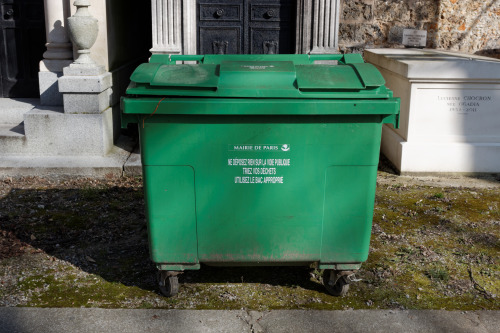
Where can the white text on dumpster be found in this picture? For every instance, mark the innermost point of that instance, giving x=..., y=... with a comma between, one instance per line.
x=259, y=170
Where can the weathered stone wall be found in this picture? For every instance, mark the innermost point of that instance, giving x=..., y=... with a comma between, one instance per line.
x=471, y=26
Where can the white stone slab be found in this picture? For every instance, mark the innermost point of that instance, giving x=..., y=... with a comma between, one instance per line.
x=450, y=121
x=435, y=157
x=433, y=65
x=455, y=113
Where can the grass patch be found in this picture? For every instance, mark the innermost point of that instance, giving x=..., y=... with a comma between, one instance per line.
x=438, y=273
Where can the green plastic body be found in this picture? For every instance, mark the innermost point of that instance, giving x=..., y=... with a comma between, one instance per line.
x=234, y=175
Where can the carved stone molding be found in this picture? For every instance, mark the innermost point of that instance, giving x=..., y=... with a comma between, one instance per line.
x=59, y=52
x=83, y=29
x=325, y=26
x=174, y=26
x=58, y=44
x=317, y=26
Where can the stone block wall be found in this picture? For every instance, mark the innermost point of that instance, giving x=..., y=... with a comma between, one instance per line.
x=471, y=26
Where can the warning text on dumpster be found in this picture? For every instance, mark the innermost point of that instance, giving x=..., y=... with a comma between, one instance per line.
x=265, y=170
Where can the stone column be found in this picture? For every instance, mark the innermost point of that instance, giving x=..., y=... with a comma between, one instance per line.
x=304, y=23
x=317, y=26
x=189, y=33
x=59, y=52
x=174, y=26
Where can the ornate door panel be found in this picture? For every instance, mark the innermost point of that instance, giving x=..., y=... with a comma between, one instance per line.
x=271, y=28
x=22, y=43
x=246, y=26
x=220, y=27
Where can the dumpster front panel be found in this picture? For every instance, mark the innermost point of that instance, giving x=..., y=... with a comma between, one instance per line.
x=262, y=185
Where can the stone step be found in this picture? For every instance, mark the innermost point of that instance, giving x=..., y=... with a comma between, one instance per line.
x=12, y=110
x=133, y=166
x=63, y=165
x=11, y=130
x=50, y=131
x=12, y=139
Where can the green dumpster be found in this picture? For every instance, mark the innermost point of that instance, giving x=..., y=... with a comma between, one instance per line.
x=259, y=160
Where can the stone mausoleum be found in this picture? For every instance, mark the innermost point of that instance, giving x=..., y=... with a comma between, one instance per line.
x=59, y=100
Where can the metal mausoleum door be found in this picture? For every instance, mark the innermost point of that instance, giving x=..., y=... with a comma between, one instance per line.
x=22, y=43
x=246, y=26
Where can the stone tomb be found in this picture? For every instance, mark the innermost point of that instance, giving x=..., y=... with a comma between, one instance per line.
x=450, y=111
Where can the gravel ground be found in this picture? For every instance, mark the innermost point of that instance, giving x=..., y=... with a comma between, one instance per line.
x=83, y=243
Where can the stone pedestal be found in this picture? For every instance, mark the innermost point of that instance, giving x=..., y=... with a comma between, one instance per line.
x=450, y=117
x=85, y=89
x=86, y=86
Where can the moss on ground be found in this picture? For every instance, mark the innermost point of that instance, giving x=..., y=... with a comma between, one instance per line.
x=90, y=291
x=431, y=248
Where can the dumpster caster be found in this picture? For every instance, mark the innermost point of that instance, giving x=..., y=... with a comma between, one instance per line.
x=336, y=282
x=168, y=282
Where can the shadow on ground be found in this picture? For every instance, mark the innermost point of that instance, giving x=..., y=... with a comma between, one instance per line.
x=103, y=231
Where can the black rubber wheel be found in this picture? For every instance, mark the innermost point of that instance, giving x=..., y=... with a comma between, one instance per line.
x=169, y=285
x=338, y=288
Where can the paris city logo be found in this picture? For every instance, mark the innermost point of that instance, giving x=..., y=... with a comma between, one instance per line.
x=285, y=147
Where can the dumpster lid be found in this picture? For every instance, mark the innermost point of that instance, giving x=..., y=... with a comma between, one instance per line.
x=280, y=76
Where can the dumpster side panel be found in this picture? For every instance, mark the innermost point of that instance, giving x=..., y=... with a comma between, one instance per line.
x=348, y=213
x=171, y=214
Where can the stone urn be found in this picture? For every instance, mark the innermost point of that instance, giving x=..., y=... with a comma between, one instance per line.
x=83, y=31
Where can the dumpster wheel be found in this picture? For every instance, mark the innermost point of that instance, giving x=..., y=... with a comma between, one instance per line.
x=168, y=283
x=336, y=282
